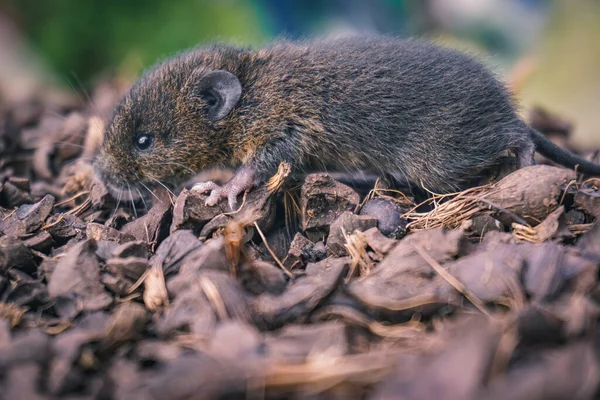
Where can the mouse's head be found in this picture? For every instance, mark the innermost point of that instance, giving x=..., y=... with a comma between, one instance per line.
x=169, y=126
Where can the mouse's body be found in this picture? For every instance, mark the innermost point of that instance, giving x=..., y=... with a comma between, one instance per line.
x=411, y=110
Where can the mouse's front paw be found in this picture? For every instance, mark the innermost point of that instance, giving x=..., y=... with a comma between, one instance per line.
x=241, y=182
x=216, y=192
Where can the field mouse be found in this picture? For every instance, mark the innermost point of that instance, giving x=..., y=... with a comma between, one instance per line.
x=401, y=108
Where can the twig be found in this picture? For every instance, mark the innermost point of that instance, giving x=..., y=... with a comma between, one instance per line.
x=376, y=191
x=58, y=220
x=452, y=280
x=80, y=208
x=352, y=316
x=264, y=239
x=499, y=210
x=214, y=297
x=356, y=245
x=139, y=282
x=75, y=196
x=9, y=214
x=562, y=199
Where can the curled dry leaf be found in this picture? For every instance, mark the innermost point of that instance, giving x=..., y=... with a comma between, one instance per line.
x=75, y=282
x=542, y=232
x=127, y=323
x=14, y=254
x=322, y=201
x=155, y=289
x=526, y=196
x=12, y=313
x=349, y=223
x=154, y=226
x=276, y=181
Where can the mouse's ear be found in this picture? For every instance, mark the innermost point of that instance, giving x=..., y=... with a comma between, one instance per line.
x=221, y=91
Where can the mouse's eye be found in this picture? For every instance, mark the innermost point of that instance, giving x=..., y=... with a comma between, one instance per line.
x=143, y=141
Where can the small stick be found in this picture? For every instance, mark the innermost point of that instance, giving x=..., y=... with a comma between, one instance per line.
x=264, y=239
x=377, y=190
x=80, y=208
x=72, y=198
x=355, y=317
x=562, y=199
x=128, y=298
x=452, y=280
x=58, y=220
x=214, y=298
x=501, y=211
x=11, y=213
x=139, y=282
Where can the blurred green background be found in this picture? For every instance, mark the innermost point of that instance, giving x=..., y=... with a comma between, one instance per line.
x=87, y=38
x=548, y=49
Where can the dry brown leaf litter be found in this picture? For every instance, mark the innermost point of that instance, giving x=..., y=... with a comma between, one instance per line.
x=489, y=293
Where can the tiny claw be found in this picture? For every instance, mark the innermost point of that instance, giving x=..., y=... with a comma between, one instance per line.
x=214, y=197
x=204, y=187
x=232, y=200
x=216, y=192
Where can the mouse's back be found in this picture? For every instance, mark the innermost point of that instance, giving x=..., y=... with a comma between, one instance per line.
x=423, y=112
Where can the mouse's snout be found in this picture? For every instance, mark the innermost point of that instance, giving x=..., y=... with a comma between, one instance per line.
x=111, y=173
x=105, y=174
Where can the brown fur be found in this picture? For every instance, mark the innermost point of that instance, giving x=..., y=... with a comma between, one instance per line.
x=402, y=108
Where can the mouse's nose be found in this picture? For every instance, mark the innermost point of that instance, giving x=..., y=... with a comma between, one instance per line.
x=104, y=171
x=99, y=166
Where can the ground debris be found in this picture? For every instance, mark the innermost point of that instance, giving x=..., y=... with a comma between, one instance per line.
x=309, y=290
x=321, y=202
x=28, y=218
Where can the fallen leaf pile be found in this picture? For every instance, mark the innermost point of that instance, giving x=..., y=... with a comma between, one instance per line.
x=311, y=290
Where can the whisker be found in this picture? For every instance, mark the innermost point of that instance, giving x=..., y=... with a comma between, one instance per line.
x=142, y=197
x=65, y=117
x=118, y=202
x=93, y=105
x=151, y=192
x=182, y=166
x=68, y=144
x=85, y=93
x=73, y=161
x=75, y=91
x=54, y=114
x=132, y=202
x=163, y=185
